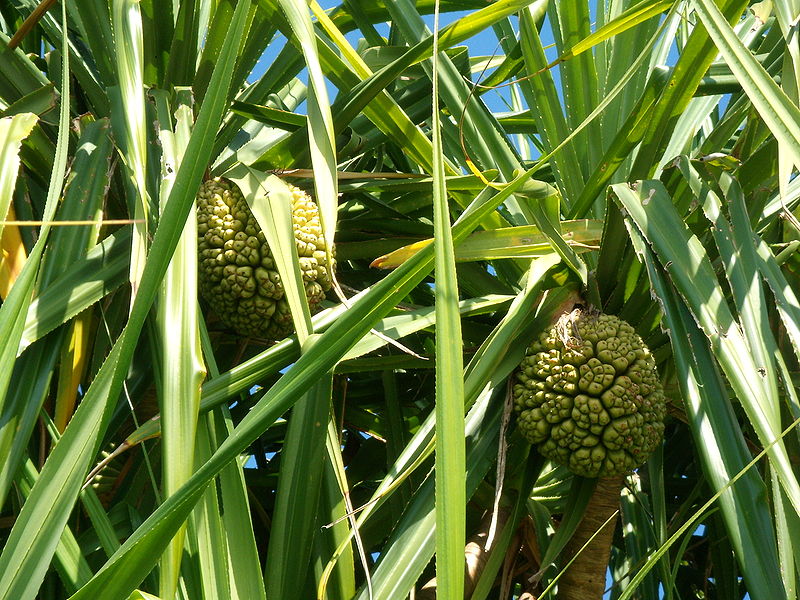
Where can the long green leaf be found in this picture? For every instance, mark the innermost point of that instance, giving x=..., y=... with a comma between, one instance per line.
x=335, y=529
x=780, y=114
x=127, y=23
x=631, y=17
x=320, y=122
x=488, y=369
x=719, y=439
x=206, y=539
x=88, y=279
x=33, y=374
x=31, y=542
x=299, y=484
x=450, y=453
x=82, y=200
x=239, y=564
x=580, y=80
x=687, y=74
x=542, y=96
x=182, y=367
x=70, y=562
x=412, y=543
x=16, y=304
x=689, y=267
x=126, y=568
x=245, y=568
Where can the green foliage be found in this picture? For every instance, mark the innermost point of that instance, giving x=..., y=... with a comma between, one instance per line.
x=640, y=157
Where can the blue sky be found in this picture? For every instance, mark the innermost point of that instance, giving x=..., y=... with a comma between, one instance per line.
x=483, y=44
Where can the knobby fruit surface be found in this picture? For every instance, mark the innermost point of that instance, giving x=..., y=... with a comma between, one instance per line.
x=237, y=274
x=588, y=395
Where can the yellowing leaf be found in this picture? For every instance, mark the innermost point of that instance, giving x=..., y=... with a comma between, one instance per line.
x=13, y=255
x=12, y=131
x=507, y=242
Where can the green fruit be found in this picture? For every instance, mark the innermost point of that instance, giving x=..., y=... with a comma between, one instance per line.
x=236, y=271
x=589, y=397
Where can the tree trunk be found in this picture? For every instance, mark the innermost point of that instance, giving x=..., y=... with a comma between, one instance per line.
x=585, y=578
x=475, y=555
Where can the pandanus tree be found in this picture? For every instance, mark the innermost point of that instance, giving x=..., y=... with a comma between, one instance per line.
x=636, y=159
